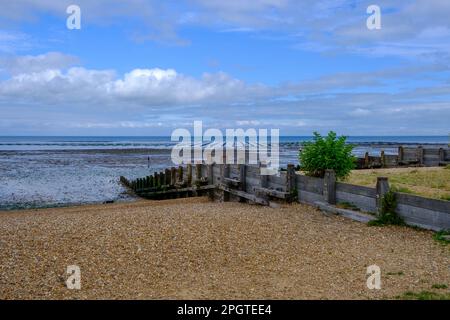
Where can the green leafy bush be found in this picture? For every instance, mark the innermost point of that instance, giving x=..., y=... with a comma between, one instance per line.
x=330, y=152
x=442, y=236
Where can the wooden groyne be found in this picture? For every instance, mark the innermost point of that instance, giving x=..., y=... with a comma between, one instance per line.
x=246, y=183
x=407, y=156
x=170, y=183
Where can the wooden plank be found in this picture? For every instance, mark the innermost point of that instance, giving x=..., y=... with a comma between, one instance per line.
x=276, y=186
x=172, y=191
x=359, y=190
x=281, y=180
x=309, y=197
x=271, y=192
x=245, y=195
x=425, y=218
x=426, y=203
x=367, y=204
x=310, y=184
x=253, y=171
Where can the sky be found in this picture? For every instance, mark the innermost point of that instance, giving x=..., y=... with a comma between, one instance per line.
x=147, y=67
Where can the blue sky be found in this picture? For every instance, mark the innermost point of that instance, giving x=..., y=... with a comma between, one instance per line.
x=148, y=67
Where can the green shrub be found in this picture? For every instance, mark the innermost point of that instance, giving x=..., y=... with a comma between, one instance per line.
x=388, y=216
x=328, y=152
x=424, y=295
x=442, y=236
x=347, y=205
x=439, y=286
x=447, y=166
x=293, y=196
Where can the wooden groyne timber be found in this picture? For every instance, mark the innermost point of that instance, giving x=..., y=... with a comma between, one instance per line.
x=407, y=157
x=170, y=183
x=246, y=183
x=216, y=181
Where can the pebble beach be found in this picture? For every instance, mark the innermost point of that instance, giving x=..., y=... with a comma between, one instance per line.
x=197, y=249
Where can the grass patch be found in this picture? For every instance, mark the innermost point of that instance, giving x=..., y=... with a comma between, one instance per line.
x=430, y=182
x=400, y=273
x=347, y=205
x=402, y=189
x=441, y=236
x=439, y=286
x=424, y=295
x=447, y=167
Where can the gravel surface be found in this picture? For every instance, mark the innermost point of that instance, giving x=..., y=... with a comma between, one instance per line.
x=195, y=249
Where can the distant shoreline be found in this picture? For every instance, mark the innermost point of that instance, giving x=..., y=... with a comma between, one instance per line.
x=156, y=150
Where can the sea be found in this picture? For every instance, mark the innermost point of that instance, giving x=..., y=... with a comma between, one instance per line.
x=37, y=172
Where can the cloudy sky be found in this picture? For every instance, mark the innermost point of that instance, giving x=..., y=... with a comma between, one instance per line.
x=146, y=67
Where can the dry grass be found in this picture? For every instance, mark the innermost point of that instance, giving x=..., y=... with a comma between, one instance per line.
x=195, y=249
x=432, y=182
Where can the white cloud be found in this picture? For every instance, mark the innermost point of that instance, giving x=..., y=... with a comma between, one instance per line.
x=409, y=28
x=75, y=98
x=360, y=112
x=44, y=83
x=32, y=64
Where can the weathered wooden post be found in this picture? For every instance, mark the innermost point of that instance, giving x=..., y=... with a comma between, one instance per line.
x=400, y=155
x=225, y=174
x=138, y=184
x=420, y=155
x=180, y=174
x=290, y=181
x=189, y=174
x=162, y=178
x=173, y=176
x=150, y=182
x=366, y=160
x=210, y=168
x=329, y=186
x=242, y=176
x=211, y=174
x=383, y=159
x=157, y=180
x=198, y=173
x=441, y=155
x=262, y=177
x=168, y=176
x=382, y=189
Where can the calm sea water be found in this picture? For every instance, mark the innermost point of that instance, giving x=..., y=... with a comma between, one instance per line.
x=60, y=171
